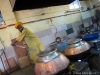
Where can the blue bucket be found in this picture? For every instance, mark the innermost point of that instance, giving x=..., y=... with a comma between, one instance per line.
x=90, y=37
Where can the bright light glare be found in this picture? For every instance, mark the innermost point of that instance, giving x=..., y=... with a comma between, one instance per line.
x=74, y=5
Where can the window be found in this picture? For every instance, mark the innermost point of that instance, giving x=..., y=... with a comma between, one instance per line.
x=74, y=5
x=69, y=29
x=1, y=20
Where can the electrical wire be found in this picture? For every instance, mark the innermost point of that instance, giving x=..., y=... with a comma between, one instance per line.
x=54, y=26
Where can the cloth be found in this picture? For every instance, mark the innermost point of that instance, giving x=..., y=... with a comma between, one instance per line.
x=32, y=42
x=18, y=24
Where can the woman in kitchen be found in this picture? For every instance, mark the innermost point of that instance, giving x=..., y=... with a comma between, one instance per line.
x=28, y=38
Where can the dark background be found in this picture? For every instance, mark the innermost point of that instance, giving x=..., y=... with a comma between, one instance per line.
x=34, y=4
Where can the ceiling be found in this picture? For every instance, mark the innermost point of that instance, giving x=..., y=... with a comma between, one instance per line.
x=35, y=4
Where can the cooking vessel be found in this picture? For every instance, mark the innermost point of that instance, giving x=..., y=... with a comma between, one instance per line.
x=77, y=49
x=50, y=63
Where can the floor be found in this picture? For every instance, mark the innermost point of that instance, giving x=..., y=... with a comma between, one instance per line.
x=95, y=72
x=25, y=71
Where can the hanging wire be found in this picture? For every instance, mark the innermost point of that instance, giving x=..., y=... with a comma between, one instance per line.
x=55, y=27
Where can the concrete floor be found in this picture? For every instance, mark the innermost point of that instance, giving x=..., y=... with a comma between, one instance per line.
x=29, y=70
x=95, y=72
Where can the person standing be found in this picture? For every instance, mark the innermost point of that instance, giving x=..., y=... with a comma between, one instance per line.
x=30, y=39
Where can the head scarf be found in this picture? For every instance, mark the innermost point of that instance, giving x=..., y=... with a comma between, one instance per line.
x=18, y=24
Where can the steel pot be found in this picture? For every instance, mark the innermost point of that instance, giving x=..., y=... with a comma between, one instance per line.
x=50, y=63
x=77, y=49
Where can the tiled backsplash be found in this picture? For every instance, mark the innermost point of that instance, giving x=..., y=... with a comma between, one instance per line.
x=64, y=31
x=69, y=31
x=12, y=63
x=69, y=26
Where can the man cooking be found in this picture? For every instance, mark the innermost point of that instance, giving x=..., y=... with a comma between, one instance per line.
x=28, y=38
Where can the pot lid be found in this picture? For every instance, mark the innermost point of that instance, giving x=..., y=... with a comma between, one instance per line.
x=45, y=53
x=73, y=41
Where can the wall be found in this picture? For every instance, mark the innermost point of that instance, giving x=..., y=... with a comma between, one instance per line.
x=44, y=29
x=94, y=1
x=87, y=13
x=89, y=4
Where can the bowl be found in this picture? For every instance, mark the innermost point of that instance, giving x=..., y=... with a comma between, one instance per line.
x=90, y=37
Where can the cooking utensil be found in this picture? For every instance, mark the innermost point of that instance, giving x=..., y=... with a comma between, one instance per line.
x=90, y=37
x=50, y=63
x=77, y=49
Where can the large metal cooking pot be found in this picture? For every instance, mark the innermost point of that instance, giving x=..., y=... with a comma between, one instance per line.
x=50, y=63
x=77, y=49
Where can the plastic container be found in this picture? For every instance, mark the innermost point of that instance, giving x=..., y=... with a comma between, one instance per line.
x=90, y=37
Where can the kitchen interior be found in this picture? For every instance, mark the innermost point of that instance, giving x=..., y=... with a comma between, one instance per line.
x=69, y=31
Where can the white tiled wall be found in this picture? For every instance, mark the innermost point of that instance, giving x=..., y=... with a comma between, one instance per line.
x=49, y=35
x=39, y=34
x=86, y=24
x=52, y=38
x=10, y=52
x=61, y=34
x=75, y=27
x=46, y=32
x=45, y=40
x=90, y=22
x=1, y=66
x=54, y=29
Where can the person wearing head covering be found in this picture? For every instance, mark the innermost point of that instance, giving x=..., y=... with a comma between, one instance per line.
x=28, y=38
